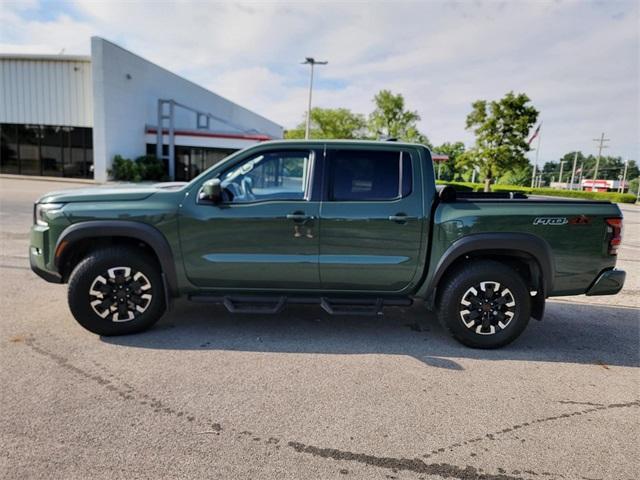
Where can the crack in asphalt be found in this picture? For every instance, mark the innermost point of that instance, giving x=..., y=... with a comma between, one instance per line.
x=407, y=464
x=128, y=392
x=121, y=388
x=573, y=402
x=491, y=436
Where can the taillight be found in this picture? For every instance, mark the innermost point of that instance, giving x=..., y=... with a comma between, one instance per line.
x=614, y=234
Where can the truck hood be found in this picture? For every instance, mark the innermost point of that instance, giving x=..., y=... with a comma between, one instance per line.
x=110, y=193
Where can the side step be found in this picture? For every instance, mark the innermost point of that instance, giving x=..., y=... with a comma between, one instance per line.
x=266, y=304
x=345, y=306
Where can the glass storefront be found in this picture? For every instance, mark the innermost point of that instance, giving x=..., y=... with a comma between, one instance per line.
x=192, y=161
x=53, y=151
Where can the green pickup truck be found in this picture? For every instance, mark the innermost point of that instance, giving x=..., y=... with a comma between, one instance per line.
x=352, y=226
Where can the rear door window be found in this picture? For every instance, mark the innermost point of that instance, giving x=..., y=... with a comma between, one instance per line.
x=365, y=175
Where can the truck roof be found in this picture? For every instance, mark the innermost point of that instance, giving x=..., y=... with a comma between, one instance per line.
x=364, y=143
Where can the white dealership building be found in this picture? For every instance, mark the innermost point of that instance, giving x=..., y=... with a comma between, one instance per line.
x=68, y=116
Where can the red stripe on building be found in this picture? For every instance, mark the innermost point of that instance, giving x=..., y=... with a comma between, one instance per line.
x=191, y=133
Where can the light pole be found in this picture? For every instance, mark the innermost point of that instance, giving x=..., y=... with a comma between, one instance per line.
x=562, y=162
x=313, y=62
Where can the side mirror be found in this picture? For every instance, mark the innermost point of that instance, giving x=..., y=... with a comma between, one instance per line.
x=212, y=190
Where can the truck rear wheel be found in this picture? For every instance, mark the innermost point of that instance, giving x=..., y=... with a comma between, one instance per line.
x=116, y=291
x=484, y=304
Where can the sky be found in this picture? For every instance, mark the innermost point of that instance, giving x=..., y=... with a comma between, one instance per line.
x=578, y=61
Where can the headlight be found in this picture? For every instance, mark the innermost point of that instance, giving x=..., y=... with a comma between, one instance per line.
x=41, y=209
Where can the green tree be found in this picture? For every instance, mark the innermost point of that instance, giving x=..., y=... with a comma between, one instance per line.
x=331, y=123
x=519, y=176
x=453, y=151
x=609, y=168
x=391, y=119
x=501, y=128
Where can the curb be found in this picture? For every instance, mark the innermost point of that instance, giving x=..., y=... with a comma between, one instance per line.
x=39, y=178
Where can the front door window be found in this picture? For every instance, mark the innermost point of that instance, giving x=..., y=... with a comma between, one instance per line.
x=269, y=176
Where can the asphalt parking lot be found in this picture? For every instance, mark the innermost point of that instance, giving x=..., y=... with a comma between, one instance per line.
x=302, y=395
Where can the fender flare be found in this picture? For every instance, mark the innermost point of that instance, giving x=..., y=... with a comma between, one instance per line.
x=503, y=244
x=122, y=228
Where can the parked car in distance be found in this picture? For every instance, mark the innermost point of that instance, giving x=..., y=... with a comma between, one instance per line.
x=353, y=226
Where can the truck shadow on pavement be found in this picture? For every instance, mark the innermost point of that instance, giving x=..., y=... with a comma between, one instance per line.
x=571, y=333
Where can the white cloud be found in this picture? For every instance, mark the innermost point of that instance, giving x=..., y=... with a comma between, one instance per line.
x=578, y=61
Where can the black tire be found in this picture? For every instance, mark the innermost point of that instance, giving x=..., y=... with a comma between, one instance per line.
x=111, y=265
x=486, y=315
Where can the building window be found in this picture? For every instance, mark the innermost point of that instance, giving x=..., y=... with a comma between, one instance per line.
x=51, y=152
x=192, y=161
x=55, y=151
x=9, y=149
x=29, y=149
x=76, y=166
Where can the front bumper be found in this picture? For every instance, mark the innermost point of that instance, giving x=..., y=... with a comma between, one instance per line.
x=39, y=254
x=608, y=282
x=35, y=260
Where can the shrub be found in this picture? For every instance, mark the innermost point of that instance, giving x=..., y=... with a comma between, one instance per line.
x=550, y=192
x=151, y=168
x=124, y=169
x=610, y=196
x=146, y=167
x=510, y=188
x=463, y=186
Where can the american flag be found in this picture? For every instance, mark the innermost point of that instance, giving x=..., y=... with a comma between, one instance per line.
x=535, y=134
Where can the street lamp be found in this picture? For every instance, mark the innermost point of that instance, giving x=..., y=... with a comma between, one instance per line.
x=313, y=62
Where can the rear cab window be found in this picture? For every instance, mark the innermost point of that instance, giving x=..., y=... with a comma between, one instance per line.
x=369, y=175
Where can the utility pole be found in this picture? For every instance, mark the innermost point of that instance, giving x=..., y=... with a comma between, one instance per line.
x=562, y=162
x=581, y=174
x=624, y=176
x=573, y=170
x=600, y=140
x=535, y=165
x=310, y=61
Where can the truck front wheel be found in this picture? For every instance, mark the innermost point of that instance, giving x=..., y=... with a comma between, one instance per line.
x=116, y=291
x=484, y=304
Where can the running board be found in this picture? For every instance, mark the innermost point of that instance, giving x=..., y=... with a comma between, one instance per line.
x=267, y=304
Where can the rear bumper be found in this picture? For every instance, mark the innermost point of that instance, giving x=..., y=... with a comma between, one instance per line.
x=608, y=282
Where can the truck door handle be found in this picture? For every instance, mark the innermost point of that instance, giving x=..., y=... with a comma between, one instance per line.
x=299, y=217
x=399, y=218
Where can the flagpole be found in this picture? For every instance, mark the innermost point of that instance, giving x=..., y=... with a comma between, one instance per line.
x=535, y=165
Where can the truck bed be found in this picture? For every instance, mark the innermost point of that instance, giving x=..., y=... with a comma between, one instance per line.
x=446, y=195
